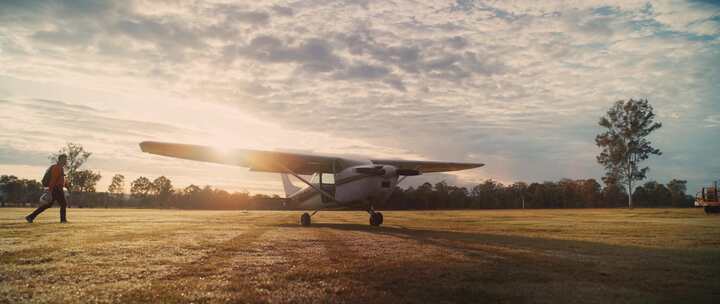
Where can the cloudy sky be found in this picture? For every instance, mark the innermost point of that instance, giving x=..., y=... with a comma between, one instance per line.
x=517, y=85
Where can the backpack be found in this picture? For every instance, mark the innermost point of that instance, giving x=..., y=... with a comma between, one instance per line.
x=47, y=176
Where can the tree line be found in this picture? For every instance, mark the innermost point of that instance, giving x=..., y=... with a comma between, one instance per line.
x=566, y=193
x=144, y=193
x=490, y=194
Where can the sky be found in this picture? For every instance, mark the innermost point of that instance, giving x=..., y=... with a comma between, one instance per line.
x=517, y=85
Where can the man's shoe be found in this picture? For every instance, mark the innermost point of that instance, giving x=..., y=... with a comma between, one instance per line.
x=29, y=219
x=64, y=222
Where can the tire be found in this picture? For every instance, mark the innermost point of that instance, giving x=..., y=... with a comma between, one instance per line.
x=380, y=217
x=305, y=219
x=374, y=220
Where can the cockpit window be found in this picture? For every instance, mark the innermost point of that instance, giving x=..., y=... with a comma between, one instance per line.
x=327, y=178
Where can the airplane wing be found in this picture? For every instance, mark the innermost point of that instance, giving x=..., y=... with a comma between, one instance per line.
x=272, y=161
x=427, y=166
x=256, y=160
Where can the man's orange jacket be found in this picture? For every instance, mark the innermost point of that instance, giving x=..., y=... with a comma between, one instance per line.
x=57, y=177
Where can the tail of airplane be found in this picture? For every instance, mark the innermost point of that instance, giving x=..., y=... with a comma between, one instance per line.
x=288, y=186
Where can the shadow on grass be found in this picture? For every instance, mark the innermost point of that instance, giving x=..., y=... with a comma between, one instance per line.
x=666, y=272
x=451, y=238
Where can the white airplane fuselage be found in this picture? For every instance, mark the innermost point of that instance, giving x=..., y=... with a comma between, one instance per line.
x=348, y=186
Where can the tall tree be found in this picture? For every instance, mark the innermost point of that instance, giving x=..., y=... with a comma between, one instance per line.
x=11, y=187
x=519, y=190
x=590, y=192
x=423, y=193
x=32, y=190
x=440, y=195
x=117, y=186
x=163, y=189
x=141, y=187
x=653, y=194
x=86, y=180
x=191, y=190
x=624, y=142
x=76, y=157
x=16, y=190
x=678, y=188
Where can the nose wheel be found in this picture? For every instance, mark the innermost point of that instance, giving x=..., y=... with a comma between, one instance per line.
x=376, y=218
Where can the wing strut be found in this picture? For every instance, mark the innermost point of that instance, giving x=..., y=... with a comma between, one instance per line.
x=318, y=189
x=400, y=180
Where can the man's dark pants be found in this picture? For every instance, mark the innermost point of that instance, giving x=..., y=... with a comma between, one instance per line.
x=58, y=195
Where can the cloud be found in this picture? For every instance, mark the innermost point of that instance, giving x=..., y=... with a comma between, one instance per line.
x=313, y=54
x=694, y=17
x=54, y=122
x=712, y=121
x=234, y=14
x=57, y=105
x=64, y=37
x=283, y=10
x=396, y=83
x=361, y=42
x=363, y=71
x=31, y=11
x=12, y=156
x=457, y=42
x=519, y=86
x=170, y=37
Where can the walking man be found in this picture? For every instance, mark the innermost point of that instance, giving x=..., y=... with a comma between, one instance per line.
x=55, y=188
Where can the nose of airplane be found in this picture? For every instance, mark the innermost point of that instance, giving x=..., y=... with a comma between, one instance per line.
x=390, y=171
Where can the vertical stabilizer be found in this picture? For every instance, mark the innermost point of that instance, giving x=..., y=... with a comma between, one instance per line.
x=288, y=186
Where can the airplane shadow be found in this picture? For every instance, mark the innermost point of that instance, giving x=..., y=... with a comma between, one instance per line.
x=536, y=260
x=469, y=242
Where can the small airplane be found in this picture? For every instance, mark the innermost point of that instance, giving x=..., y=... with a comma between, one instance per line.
x=335, y=181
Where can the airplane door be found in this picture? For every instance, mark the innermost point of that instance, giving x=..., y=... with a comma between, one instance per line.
x=327, y=183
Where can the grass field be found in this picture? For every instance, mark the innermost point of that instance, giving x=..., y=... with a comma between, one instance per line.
x=545, y=256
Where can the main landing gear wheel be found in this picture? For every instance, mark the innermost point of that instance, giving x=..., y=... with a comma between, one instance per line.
x=305, y=219
x=376, y=219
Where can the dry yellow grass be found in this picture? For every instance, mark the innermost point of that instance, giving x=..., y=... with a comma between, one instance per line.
x=545, y=256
